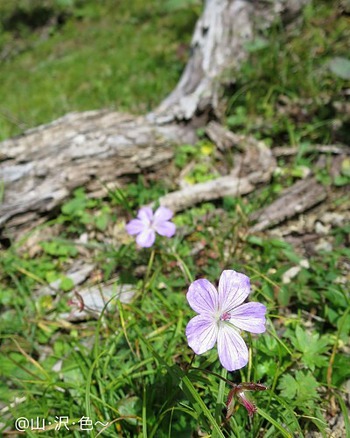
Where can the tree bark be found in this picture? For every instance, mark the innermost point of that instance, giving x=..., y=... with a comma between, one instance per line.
x=217, y=51
x=40, y=168
x=294, y=200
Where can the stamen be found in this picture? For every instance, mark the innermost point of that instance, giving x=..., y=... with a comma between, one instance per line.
x=225, y=316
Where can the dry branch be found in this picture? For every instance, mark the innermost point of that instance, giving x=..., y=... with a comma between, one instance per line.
x=295, y=200
x=334, y=149
x=255, y=167
x=222, y=137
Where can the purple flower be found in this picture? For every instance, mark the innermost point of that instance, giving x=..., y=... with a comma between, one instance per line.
x=222, y=316
x=147, y=224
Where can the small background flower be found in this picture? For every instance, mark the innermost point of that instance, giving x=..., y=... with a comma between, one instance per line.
x=222, y=316
x=148, y=223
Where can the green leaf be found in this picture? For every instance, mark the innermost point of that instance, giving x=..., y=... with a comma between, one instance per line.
x=74, y=206
x=301, y=389
x=187, y=386
x=288, y=386
x=66, y=284
x=311, y=345
x=267, y=417
x=101, y=221
x=341, y=180
x=56, y=248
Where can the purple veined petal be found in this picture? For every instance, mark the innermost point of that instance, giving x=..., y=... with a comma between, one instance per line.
x=232, y=350
x=249, y=317
x=135, y=226
x=166, y=228
x=202, y=297
x=234, y=288
x=146, y=238
x=162, y=214
x=201, y=332
x=145, y=214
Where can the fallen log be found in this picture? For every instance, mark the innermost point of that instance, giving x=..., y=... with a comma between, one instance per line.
x=41, y=168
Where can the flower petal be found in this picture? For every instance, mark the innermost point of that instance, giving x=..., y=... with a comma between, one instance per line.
x=145, y=214
x=146, y=238
x=162, y=214
x=201, y=332
x=135, y=226
x=166, y=228
x=245, y=400
x=232, y=350
x=234, y=288
x=202, y=297
x=249, y=317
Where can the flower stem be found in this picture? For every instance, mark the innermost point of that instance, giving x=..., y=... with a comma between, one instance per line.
x=148, y=272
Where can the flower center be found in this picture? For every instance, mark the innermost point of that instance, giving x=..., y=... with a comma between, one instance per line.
x=226, y=316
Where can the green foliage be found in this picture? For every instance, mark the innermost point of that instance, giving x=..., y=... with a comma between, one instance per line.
x=72, y=55
x=130, y=365
x=82, y=211
x=278, y=93
x=311, y=346
x=300, y=389
x=198, y=159
x=57, y=248
x=136, y=194
x=173, y=5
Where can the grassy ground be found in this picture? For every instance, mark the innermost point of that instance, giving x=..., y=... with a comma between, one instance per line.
x=130, y=366
x=86, y=56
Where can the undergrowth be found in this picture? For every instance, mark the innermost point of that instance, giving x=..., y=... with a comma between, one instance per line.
x=126, y=370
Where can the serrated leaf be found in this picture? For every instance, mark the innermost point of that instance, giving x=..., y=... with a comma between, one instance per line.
x=307, y=386
x=311, y=345
x=300, y=389
x=288, y=386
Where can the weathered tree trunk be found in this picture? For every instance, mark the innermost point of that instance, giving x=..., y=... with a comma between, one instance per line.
x=217, y=50
x=41, y=167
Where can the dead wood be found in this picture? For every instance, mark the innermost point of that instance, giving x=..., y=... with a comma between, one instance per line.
x=77, y=273
x=41, y=168
x=254, y=167
x=222, y=137
x=334, y=149
x=91, y=302
x=218, y=48
x=295, y=200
